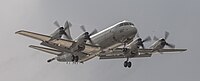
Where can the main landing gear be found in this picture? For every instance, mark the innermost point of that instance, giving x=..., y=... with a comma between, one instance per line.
x=75, y=58
x=127, y=63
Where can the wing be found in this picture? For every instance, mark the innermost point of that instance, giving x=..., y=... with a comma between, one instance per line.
x=47, y=50
x=172, y=50
x=154, y=51
x=62, y=43
x=82, y=57
x=122, y=56
x=118, y=56
x=45, y=38
x=160, y=50
x=34, y=35
x=118, y=53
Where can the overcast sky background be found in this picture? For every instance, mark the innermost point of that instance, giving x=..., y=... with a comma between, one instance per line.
x=152, y=17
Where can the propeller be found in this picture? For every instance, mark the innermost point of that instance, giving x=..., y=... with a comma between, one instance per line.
x=87, y=34
x=155, y=38
x=140, y=41
x=67, y=30
x=164, y=42
x=63, y=29
x=166, y=34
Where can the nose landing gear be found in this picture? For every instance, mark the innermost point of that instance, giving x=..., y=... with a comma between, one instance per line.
x=127, y=63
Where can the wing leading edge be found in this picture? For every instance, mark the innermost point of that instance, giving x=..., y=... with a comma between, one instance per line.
x=123, y=56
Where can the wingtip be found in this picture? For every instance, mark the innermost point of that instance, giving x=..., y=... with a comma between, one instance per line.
x=17, y=32
x=30, y=46
x=185, y=49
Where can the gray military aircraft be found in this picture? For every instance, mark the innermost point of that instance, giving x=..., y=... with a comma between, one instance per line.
x=120, y=40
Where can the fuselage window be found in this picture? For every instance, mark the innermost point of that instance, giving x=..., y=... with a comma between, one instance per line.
x=120, y=24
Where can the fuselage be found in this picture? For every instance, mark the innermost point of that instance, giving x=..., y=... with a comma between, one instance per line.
x=115, y=35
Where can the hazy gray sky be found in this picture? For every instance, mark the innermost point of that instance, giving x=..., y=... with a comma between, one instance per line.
x=151, y=17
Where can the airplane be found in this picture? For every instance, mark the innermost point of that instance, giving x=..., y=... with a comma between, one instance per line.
x=120, y=40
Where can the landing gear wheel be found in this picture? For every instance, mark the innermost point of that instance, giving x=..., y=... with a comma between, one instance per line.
x=125, y=63
x=73, y=58
x=76, y=58
x=129, y=64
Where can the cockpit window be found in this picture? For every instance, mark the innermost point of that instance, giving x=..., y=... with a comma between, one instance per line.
x=126, y=23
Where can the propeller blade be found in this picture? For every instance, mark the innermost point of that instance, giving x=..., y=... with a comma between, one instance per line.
x=67, y=30
x=93, y=32
x=155, y=38
x=56, y=24
x=91, y=41
x=170, y=45
x=166, y=34
x=83, y=28
x=142, y=46
x=67, y=25
x=147, y=39
x=66, y=35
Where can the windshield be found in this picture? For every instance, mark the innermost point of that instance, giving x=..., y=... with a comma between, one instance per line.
x=125, y=23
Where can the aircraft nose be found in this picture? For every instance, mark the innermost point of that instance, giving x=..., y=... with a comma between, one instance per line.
x=133, y=30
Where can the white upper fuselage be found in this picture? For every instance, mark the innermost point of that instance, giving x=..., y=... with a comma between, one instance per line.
x=115, y=35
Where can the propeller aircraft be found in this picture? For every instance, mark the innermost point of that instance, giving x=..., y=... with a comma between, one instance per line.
x=120, y=40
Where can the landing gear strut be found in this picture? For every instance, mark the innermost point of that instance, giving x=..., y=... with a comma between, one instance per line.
x=127, y=63
x=76, y=58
